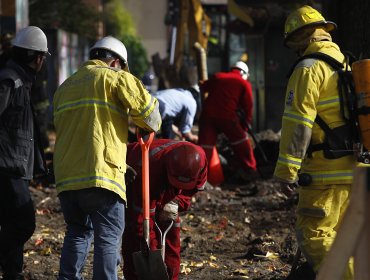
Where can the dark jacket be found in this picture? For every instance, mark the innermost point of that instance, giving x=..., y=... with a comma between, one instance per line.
x=20, y=152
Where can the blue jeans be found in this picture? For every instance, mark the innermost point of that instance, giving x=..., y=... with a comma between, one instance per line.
x=91, y=212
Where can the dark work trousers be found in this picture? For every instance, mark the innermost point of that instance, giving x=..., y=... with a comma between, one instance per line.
x=17, y=222
x=166, y=127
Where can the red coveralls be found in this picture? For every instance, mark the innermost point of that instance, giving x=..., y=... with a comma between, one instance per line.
x=160, y=194
x=227, y=92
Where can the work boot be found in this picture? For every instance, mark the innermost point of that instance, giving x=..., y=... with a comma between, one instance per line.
x=303, y=272
x=1, y=264
x=243, y=177
x=12, y=264
x=247, y=175
x=18, y=276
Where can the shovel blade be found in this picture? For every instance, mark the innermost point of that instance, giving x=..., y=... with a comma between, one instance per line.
x=150, y=266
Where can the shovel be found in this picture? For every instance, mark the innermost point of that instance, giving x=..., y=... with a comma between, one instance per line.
x=163, y=238
x=149, y=264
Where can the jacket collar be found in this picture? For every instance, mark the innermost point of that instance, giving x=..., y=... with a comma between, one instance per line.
x=95, y=62
x=326, y=47
x=27, y=73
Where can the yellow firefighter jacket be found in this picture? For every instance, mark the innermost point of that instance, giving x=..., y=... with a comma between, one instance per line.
x=312, y=89
x=91, y=110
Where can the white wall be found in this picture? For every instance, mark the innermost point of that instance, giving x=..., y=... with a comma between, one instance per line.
x=149, y=16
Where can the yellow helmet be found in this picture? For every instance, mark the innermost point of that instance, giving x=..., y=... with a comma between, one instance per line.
x=304, y=17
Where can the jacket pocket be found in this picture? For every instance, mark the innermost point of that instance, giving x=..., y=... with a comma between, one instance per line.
x=15, y=115
x=315, y=203
x=116, y=158
x=14, y=159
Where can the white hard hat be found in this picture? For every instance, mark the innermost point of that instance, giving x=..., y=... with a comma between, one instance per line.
x=112, y=44
x=31, y=38
x=242, y=66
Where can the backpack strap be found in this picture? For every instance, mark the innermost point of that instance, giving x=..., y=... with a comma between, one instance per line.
x=326, y=58
x=320, y=56
x=328, y=132
x=343, y=79
x=346, y=87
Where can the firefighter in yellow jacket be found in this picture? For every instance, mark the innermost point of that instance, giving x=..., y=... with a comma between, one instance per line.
x=91, y=110
x=312, y=91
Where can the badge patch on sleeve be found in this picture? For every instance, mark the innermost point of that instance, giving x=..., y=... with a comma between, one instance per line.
x=289, y=99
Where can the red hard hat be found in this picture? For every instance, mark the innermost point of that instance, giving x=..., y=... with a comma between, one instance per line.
x=184, y=166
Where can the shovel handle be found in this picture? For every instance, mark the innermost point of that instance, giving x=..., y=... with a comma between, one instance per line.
x=163, y=238
x=145, y=144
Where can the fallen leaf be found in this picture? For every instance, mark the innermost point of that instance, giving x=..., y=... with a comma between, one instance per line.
x=190, y=216
x=39, y=241
x=196, y=264
x=271, y=268
x=241, y=272
x=268, y=255
x=43, y=201
x=271, y=255
x=42, y=212
x=185, y=229
x=185, y=270
x=219, y=237
x=223, y=222
x=46, y=252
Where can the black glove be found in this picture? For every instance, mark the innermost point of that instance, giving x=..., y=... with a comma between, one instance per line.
x=143, y=133
x=130, y=175
x=288, y=189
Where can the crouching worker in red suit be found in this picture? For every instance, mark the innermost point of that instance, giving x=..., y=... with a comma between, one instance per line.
x=228, y=109
x=178, y=170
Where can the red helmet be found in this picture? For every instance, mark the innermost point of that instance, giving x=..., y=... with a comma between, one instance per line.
x=184, y=166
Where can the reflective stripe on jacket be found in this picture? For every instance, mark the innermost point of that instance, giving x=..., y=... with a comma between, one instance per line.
x=91, y=110
x=312, y=89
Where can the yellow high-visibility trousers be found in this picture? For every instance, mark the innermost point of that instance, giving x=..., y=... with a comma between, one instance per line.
x=319, y=213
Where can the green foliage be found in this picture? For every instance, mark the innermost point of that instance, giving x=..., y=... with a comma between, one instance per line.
x=70, y=15
x=119, y=23
x=137, y=55
x=117, y=19
x=76, y=17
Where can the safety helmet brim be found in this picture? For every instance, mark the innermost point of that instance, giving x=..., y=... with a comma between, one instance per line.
x=181, y=183
x=325, y=24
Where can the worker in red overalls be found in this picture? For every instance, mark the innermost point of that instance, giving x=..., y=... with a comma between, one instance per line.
x=178, y=169
x=228, y=109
